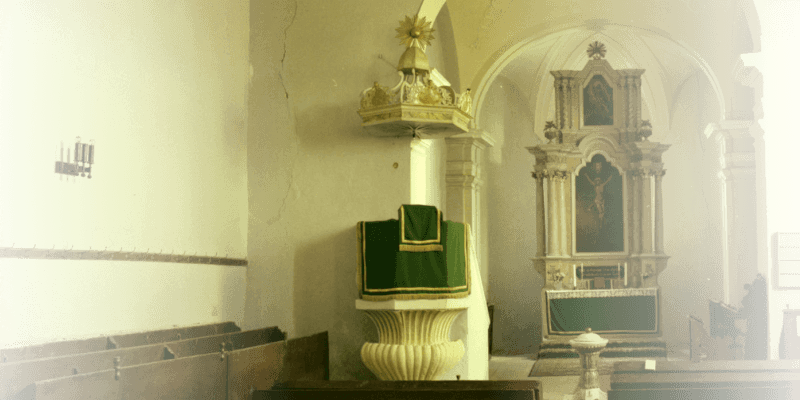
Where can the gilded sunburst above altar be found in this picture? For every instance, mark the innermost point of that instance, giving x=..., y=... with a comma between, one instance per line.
x=596, y=50
x=415, y=29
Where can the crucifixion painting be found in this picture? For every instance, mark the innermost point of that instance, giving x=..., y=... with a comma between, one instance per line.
x=599, y=204
x=598, y=211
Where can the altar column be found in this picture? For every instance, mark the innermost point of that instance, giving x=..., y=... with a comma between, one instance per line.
x=738, y=175
x=541, y=244
x=552, y=211
x=647, y=211
x=563, y=183
x=658, y=230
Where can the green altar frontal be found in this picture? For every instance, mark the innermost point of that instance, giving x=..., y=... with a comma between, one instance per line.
x=633, y=311
x=418, y=256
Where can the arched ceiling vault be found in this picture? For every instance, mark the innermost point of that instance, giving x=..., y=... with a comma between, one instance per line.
x=524, y=41
x=667, y=65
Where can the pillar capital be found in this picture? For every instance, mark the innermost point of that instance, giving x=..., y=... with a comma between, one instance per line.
x=736, y=139
x=475, y=137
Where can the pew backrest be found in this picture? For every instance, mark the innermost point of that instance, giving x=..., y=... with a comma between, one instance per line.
x=402, y=390
x=17, y=375
x=68, y=347
x=307, y=359
x=774, y=380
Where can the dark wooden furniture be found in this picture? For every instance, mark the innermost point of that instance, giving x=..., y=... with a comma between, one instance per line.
x=56, y=349
x=673, y=380
x=227, y=366
x=403, y=390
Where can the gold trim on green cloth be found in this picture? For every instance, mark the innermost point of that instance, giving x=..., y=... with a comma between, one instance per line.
x=442, y=292
x=414, y=296
x=403, y=230
x=421, y=249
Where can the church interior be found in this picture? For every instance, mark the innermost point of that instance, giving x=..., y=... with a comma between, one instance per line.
x=624, y=163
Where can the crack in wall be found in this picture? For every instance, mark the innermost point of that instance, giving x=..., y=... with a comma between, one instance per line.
x=292, y=116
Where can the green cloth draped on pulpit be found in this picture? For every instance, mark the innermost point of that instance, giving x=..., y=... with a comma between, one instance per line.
x=420, y=228
x=391, y=269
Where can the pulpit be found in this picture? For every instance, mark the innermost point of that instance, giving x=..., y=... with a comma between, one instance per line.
x=419, y=280
x=599, y=213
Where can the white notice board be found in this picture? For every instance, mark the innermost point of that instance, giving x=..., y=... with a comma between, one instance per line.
x=787, y=256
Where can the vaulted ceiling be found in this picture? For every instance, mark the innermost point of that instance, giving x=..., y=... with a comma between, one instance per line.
x=675, y=42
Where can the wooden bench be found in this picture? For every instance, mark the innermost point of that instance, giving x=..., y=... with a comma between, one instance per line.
x=227, y=374
x=17, y=375
x=773, y=380
x=113, y=342
x=403, y=390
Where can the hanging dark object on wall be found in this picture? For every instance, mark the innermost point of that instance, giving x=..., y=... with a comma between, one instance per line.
x=82, y=163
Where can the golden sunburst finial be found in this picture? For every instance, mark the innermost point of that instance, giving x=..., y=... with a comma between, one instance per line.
x=415, y=30
x=596, y=50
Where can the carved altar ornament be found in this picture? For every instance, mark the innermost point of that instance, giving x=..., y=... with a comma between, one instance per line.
x=422, y=103
x=645, y=130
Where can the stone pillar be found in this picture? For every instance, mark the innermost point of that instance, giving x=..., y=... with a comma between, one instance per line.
x=541, y=244
x=636, y=237
x=658, y=229
x=464, y=180
x=738, y=175
x=564, y=181
x=553, y=246
x=646, y=209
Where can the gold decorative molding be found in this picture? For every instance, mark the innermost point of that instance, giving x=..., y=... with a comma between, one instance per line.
x=111, y=255
x=422, y=104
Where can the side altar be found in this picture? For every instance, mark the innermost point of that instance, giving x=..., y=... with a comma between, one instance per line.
x=599, y=214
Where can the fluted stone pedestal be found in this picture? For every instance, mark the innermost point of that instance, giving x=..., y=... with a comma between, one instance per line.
x=413, y=345
x=588, y=346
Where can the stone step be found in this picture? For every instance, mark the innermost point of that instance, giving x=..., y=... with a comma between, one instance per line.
x=613, y=352
x=611, y=344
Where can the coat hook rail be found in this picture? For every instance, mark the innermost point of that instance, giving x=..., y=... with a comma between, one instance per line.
x=117, y=255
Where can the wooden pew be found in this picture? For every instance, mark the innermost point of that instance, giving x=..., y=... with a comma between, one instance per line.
x=773, y=380
x=112, y=342
x=306, y=359
x=221, y=375
x=14, y=377
x=402, y=390
x=171, y=335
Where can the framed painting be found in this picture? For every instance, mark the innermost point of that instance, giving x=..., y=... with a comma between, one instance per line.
x=599, y=218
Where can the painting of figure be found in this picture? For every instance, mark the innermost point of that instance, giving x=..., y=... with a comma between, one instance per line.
x=598, y=102
x=598, y=208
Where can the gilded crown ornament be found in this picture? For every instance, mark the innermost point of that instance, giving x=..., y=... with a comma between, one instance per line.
x=422, y=103
x=596, y=50
x=415, y=31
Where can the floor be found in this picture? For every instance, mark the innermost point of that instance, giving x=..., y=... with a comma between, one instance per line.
x=553, y=387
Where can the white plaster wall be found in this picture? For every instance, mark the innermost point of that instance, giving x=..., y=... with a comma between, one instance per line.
x=781, y=141
x=161, y=89
x=692, y=207
x=514, y=285
x=314, y=172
